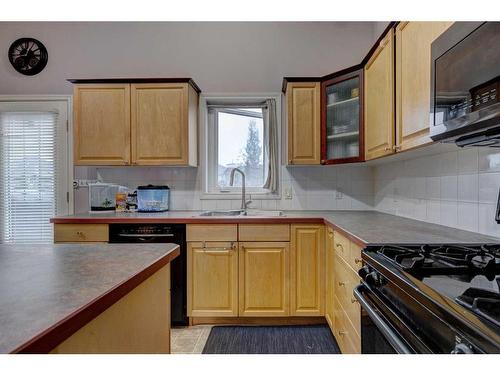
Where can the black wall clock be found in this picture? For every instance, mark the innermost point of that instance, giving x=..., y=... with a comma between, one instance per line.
x=28, y=56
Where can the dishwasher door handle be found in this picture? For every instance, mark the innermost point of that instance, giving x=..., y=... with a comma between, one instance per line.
x=137, y=235
x=392, y=337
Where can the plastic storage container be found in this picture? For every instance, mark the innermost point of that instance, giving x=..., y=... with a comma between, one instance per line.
x=153, y=198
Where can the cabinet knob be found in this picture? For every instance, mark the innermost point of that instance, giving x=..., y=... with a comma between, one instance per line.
x=341, y=283
x=358, y=260
x=387, y=148
x=342, y=333
x=290, y=161
x=397, y=148
x=353, y=300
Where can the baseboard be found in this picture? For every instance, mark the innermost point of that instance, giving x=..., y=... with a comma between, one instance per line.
x=290, y=320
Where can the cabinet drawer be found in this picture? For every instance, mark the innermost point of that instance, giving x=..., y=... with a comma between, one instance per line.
x=349, y=341
x=262, y=232
x=212, y=232
x=345, y=282
x=81, y=233
x=355, y=256
x=342, y=245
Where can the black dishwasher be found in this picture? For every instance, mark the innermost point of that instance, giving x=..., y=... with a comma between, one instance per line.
x=161, y=233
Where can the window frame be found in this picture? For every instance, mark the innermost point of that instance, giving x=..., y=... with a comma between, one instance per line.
x=209, y=145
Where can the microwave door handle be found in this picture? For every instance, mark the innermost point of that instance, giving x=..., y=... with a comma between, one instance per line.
x=391, y=336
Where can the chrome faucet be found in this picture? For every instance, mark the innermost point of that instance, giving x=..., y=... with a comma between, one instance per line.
x=244, y=202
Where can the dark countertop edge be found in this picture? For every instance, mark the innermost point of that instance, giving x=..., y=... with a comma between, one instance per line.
x=136, y=80
x=47, y=340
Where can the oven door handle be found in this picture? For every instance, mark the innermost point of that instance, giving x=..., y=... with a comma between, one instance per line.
x=391, y=336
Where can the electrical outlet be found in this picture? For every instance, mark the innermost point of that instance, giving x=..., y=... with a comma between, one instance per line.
x=338, y=195
x=287, y=192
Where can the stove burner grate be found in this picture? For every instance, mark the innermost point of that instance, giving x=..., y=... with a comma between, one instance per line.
x=482, y=302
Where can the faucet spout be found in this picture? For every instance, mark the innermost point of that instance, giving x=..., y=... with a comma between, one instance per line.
x=243, y=187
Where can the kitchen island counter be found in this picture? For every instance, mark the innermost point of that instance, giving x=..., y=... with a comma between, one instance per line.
x=48, y=292
x=362, y=227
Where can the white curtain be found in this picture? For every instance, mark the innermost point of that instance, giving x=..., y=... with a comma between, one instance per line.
x=271, y=149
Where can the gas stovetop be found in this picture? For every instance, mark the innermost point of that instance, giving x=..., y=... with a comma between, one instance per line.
x=468, y=274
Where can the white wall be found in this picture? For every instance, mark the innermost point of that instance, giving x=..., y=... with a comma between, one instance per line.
x=457, y=189
x=220, y=56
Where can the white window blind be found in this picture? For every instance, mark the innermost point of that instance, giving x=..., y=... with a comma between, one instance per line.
x=29, y=180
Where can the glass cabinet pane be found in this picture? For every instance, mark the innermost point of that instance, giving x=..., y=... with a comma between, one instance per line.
x=342, y=119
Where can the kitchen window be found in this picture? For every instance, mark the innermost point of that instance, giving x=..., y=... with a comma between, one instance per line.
x=242, y=133
x=34, y=169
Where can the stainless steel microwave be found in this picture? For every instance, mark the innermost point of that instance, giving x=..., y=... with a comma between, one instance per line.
x=465, y=81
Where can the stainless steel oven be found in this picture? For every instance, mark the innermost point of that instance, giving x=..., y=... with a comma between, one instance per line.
x=465, y=80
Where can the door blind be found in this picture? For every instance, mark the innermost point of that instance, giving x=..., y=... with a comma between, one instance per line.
x=28, y=184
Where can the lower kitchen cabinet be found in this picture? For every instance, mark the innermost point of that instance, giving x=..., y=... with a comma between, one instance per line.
x=264, y=279
x=212, y=279
x=307, y=262
x=347, y=338
x=330, y=277
x=345, y=282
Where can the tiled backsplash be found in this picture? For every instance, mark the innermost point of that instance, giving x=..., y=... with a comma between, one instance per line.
x=312, y=188
x=457, y=189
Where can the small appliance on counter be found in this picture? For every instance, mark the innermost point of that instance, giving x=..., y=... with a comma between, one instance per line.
x=152, y=198
x=102, y=196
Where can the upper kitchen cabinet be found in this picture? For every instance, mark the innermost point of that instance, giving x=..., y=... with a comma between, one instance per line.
x=413, y=71
x=342, y=130
x=101, y=124
x=379, y=100
x=304, y=123
x=164, y=127
x=136, y=122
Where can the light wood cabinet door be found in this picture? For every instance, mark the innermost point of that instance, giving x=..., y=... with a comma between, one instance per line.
x=264, y=278
x=346, y=279
x=347, y=338
x=413, y=79
x=101, y=124
x=212, y=279
x=160, y=123
x=379, y=100
x=330, y=278
x=304, y=122
x=307, y=270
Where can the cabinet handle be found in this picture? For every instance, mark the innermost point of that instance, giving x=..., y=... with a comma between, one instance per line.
x=290, y=161
x=205, y=248
x=354, y=300
x=387, y=148
x=342, y=333
x=340, y=246
x=341, y=283
x=358, y=260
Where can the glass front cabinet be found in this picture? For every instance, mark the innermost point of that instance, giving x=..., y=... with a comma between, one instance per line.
x=342, y=135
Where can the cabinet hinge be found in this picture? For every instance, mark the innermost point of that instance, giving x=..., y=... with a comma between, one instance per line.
x=67, y=196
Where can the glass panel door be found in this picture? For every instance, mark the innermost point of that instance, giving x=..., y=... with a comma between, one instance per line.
x=342, y=119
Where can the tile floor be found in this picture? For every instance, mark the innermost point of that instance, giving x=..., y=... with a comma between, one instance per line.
x=189, y=340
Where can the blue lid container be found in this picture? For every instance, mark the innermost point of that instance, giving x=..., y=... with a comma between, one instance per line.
x=152, y=198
